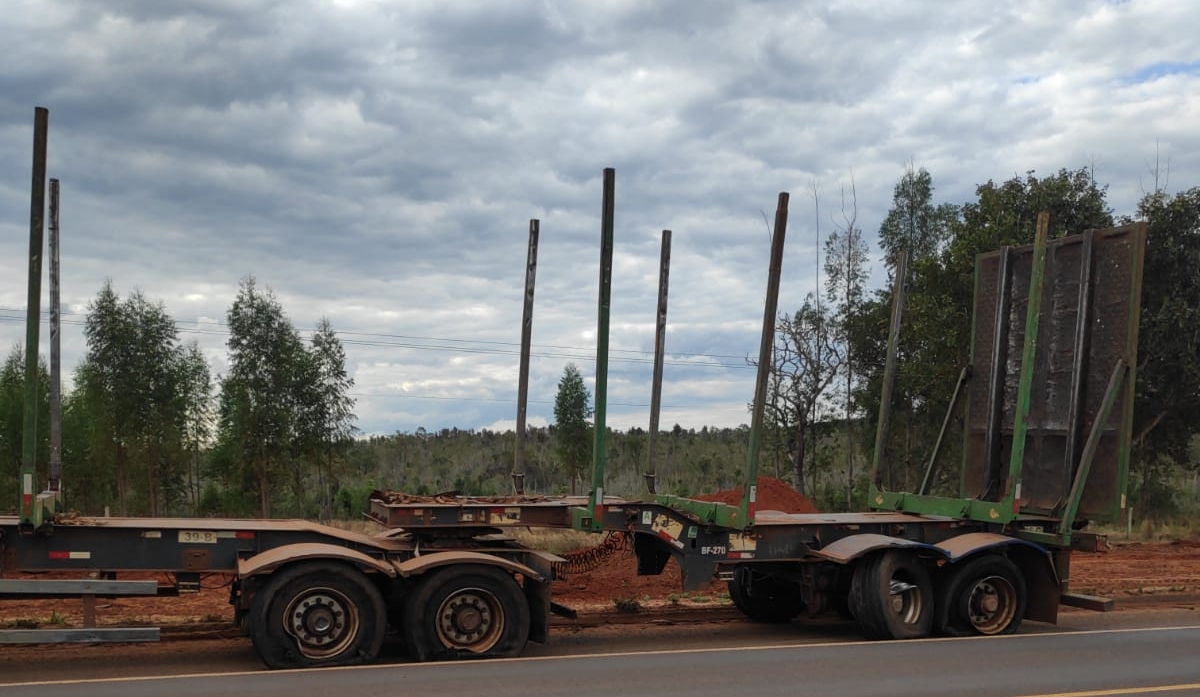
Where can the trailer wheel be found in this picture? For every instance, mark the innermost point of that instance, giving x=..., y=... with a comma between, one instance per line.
x=891, y=596
x=466, y=611
x=984, y=596
x=317, y=615
x=763, y=600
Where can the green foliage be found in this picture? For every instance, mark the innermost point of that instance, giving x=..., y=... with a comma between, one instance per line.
x=935, y=339
x=573, y=432
x=914, y=225
x=1168, y=392
x=131, y=392
x=627, y=605
x=140, y=432
x=12, y=417
x=327, y=419
x=262, y=397
x=285, y=416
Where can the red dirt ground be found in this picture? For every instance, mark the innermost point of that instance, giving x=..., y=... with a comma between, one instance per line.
x=773, y=495
x=1139, y=568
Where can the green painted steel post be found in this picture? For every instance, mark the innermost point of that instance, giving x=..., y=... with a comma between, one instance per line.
x=37, y=207
x=750, y=489
x=606, y=255
x=931, y=468
x=1125, y=437
x=1033, y=313
x=1090, y=447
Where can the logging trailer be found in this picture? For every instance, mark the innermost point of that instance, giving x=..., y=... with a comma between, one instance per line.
x=1046, y=405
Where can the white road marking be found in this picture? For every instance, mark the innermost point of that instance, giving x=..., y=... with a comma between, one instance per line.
x=628, y=654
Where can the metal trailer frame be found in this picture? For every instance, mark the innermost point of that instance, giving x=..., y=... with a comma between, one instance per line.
x=979, y=563
x=1063, y=417
x=255, y=553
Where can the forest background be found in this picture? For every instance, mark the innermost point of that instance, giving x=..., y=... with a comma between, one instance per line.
x=149, y=430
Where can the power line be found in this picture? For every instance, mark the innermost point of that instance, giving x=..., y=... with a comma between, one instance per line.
x=495, y=400
x=633, y=356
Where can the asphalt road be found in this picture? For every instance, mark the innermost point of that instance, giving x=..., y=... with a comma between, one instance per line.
x=1126, y=653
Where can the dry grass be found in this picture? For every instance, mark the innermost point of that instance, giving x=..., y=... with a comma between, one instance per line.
x=556, y=540
x=1149, y=530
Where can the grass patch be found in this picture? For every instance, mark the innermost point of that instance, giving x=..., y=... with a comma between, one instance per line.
x=1151, y=530
x=629, y=605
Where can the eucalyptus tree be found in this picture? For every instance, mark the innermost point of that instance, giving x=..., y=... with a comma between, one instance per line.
x=328, y=416
x=914, y=225
x=261, y=396
x=129, y=382
x=572, y=431
x=196, y=395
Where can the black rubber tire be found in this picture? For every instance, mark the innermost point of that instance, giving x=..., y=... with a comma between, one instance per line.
x=317, y=614
x=466, y=611
x=891, y=596
x=763, y=600
x=986, y=595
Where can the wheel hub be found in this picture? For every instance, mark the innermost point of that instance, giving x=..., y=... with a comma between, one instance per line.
x=991, y=605
x=322, y=621
x=905, y=600
x=471, y=619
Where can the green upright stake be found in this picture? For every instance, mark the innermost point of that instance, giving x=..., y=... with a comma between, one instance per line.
x=1028, y=359
x=606, y=254
x=750, y=490
x=41, y=124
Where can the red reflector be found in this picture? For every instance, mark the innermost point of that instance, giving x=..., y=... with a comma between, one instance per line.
x=60, y=555
x=244, y=535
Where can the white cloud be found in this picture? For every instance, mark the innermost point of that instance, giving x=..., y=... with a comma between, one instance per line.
x=377, y=163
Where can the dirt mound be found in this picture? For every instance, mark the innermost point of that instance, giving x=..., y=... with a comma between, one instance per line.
x=773, y=495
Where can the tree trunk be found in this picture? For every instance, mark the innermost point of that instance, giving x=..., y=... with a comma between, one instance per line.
x=264, y=493
x=798, y=463
x=121, y=483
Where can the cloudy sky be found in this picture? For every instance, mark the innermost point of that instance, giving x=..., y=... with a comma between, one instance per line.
x=377, y=163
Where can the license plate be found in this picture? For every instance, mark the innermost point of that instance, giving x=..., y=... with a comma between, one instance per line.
x=203, y=537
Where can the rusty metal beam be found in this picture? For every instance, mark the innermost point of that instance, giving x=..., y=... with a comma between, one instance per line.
x=766, y=345
x=518, y=473
x=660, y=344
x=55, y=348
